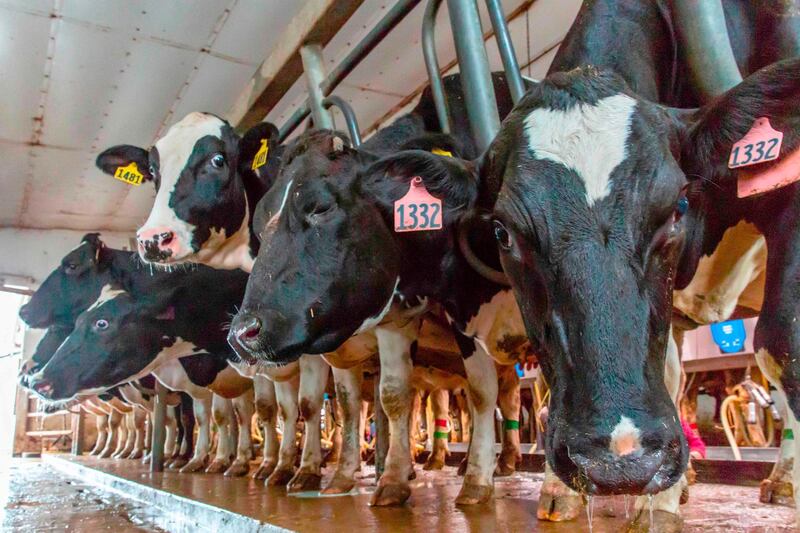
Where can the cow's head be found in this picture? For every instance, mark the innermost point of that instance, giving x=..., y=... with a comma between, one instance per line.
x=205, y=178
x=55, y=335
x=114, y=340
x=329, y=261
x=72, y=287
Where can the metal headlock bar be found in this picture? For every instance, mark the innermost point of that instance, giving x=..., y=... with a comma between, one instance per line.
x=349, y=117
x=506, y=47
x=432, y=64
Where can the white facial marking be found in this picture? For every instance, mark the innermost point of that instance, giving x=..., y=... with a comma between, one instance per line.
x=174, y=150
x=589, y=139
x=371, y=322
x=625, y=437
x=273, y=221
x=107, y=293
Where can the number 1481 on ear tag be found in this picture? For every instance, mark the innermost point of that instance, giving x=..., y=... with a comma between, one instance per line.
x=418, y=210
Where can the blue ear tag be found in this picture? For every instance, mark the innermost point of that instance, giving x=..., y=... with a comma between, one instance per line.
x=729, y=335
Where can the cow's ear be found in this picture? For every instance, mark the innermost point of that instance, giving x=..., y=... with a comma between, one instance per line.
x=772, y=93
x=123, y=155
x=258, y=145
x=450, y=179
x=102, y=254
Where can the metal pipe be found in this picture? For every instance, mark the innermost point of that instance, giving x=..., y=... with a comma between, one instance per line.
x=506, y=47
x=476, y=78
x=384, y=26
x=314, y=67
x=432, y=64
x=349, y=117
x=703, y=32
x=159, y=429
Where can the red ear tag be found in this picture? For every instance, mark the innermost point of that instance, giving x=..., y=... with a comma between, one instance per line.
x=752, y=181
x=418, y=210
x=761, y=144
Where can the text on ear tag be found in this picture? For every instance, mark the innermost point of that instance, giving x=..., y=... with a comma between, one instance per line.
x=260, y=159
x=759, y=145
x=439, y=151
x=129, y=174
x=417, y=210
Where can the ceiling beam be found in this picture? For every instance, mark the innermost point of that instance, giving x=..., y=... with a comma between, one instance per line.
x=317, y=22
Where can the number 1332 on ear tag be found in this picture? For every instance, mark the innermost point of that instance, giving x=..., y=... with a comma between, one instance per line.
x=418, y=210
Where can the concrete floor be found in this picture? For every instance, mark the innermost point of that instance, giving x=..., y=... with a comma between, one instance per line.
x=244, y=505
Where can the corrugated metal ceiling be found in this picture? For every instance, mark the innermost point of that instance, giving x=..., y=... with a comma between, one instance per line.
x=81, y=75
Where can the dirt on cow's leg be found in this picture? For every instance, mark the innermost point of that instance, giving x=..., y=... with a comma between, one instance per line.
x=557, y=502
x=440, y=405
x=267, y=409
x=243, y=408
x=348, y=396
x=202, y=414
x=224, y=418
x=286, y=393
x=509, y=401
x=314, y=373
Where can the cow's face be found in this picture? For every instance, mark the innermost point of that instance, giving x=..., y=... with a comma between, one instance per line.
x=312, y=279
x=70, y=288
x=200, y=212
x=113, y=341
x=589, y=222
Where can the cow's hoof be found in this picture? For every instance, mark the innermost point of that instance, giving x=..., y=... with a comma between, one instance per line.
x=146, y=458
x=238, y=469
x=462, y=468
x=280, y=477
x=339, y=485
x=472, y=494
x=136, y=454
x=663, y=522
x=217, y=466
x=434, y=462
x=776, y=492
x=105, y=454
x=264, y=470
x=412, y=474
x=559, y=507
x=684, y=499
x=504, y=469
x=195, y=465
x=390, y=494
x=304, y=482
x=178, y=463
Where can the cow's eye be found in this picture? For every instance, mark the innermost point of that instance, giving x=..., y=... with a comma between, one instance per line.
x=502, y=235
x=217, y=161
x=101, y=324
x=320, y=212
x=681, y=207
x=71, y=268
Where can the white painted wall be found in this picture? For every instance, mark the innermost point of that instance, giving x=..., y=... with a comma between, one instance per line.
x=35, y=253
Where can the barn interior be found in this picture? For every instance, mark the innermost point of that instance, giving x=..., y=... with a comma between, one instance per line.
x=81, y=76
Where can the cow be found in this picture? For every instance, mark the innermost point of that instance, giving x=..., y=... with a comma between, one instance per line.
x=208, y=182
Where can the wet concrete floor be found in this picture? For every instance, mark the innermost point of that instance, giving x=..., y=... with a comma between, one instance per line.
x=711, y=508
x=36, y=498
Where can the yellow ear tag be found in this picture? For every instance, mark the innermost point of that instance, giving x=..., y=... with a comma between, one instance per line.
x=439, y=151
x=129, y=174
x=260, y=158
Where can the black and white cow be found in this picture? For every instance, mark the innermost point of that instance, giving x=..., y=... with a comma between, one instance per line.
x=208, y=182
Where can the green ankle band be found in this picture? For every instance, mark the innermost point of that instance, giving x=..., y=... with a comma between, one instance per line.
x=510, y=424
x=788, y=434
x=441, y=434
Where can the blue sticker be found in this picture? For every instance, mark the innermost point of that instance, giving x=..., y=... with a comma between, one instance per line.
x=518, y=368
x=729, y=335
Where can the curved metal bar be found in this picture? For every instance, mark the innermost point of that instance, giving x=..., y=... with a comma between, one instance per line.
x=495, y=276
x=506, y=47
x=349, y=117
x=701, y=27
x=432, y=64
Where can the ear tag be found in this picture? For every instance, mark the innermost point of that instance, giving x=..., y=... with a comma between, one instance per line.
x=418, y=210
x=785, y=172
x=439, y=151
x=129, y=174
x=260, y=159
x=167, y=314
x=761, y=144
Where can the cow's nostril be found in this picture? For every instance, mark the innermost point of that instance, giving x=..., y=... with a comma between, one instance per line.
x=249, y=329
x=166, y=238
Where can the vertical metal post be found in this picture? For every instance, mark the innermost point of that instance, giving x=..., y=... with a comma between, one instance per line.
x=432, y=64
x=506, y=47
x=476, y=78
x=314, y=67
x=381, y=430
x=78, y=431
x=159, y=429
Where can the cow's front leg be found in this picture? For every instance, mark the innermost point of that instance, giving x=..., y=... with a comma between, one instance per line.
x=508, y=401
x=557, y=502
x=125, y=441
x=440, y=434
x=243, y=409
x=478, y=486
x=114, y=422
x=222, y=411
x=348, y=395
x=664, y=506
x=171, y=432
x=101, y=421
x=313, y=379
x=267, y=409
x=777, y=488
x=394, y=348
x=139, y=416
x=286, y=393
x=202, y=417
